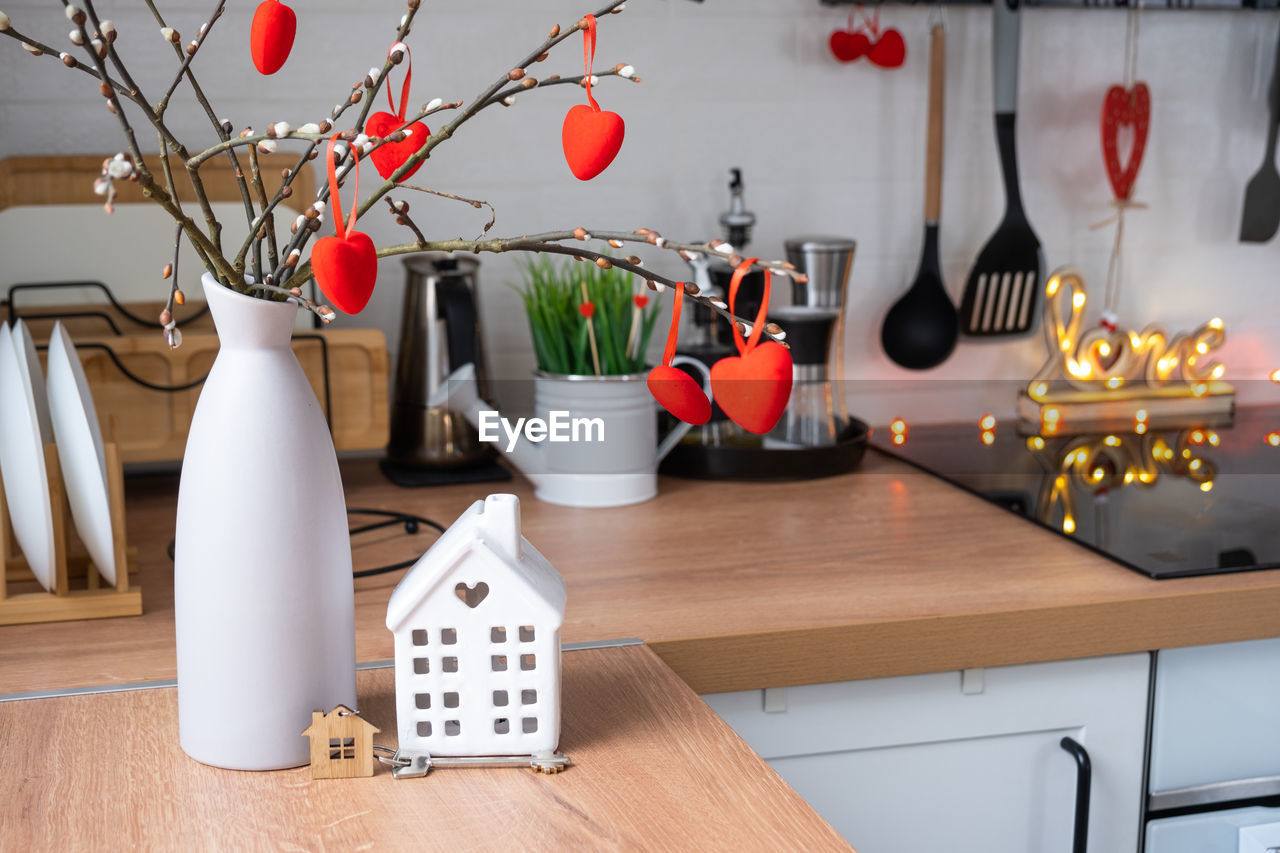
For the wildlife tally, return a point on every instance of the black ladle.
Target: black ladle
(921, 328)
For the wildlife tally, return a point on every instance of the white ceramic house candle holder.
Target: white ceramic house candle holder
(477, 638)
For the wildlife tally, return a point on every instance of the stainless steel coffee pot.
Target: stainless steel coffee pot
(439, 332)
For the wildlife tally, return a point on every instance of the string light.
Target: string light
(899, 429)
(1273, 439)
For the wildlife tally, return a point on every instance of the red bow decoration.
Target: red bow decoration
(753, 388)
(678, 392)
(390, 156)
(271, 35)
(1119, 109)
(591, 137)
(345, 265)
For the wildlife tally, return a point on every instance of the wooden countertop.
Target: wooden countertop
(886, 571)
(653, 768)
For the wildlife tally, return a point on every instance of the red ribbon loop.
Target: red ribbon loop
(670, 352)
(758, 326)
(335, 198)
(589, 56)
(404, 88)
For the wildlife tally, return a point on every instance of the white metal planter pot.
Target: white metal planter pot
(477, 645)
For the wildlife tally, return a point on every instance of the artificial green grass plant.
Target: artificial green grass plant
(553, 300)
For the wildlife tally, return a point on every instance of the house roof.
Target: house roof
(490, 531)
(338, 711)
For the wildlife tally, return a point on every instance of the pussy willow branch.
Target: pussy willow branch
(552, 243)
(474, 202)
(557, 35)
(66, 58)
(553, 80)
(191, 52)
(215, 227)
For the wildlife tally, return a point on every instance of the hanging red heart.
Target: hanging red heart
(753, 388)
(390, 156)
(678, 392)
(1122, 108)
(345, 265)
(271, 35)
(847, 46)
(591, 137)
(889, 51)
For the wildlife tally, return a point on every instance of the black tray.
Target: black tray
(701, 462)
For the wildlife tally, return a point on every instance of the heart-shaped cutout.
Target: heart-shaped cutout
(889, 51)
(472, 595)
(847, 46)
(271, 35)
(591, 139)
(1121, 109)
(753, 389)
(346, 268)
(391, 155)
(680, 394)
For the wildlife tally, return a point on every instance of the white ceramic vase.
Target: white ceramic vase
(263, 591)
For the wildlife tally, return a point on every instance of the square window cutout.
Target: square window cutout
(419, 637)
(529, 724)
(420, 666)
(451, 700)
(501, 726)
(497, 635)
(527, 662)
(528, 697)
(423, 701)
(500, 698)
(424, 728)
(452, 728)
(448, 636)
(498, 663)
(449, 664)
(526, 633)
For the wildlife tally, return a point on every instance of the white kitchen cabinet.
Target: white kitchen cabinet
(963, 762)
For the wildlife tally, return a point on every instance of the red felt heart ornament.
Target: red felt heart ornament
(591, 137)
(271, 35)
(847, 46)
(674, 389)
(889, 51)
(753, 388)
(680, 394)
(389, 156)
(1122, 108)
(346, 264)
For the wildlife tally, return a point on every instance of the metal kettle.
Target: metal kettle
(439, 332)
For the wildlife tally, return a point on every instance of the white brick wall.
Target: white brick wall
(825, 147)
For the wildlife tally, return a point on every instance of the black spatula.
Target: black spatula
(1002, 295)
(1261, 216)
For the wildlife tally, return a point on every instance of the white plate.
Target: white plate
(29, 362)
(84, 464)
(26, 482)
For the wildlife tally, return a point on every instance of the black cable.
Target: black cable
(411, 524)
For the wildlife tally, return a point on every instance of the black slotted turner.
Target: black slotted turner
(1002, 295)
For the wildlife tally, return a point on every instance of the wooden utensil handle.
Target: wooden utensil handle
(933, 154)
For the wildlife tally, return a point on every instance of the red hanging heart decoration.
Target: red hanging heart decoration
(390, 156)
(753, 388)
(271, 35)
(1122, 108)
(676, 391)
(345, 265)
(889, 51)
(847, 46)
(591, 137)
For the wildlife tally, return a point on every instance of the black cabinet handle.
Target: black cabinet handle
(1084, 776)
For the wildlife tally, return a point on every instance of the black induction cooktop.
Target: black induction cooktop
(1169, 503)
